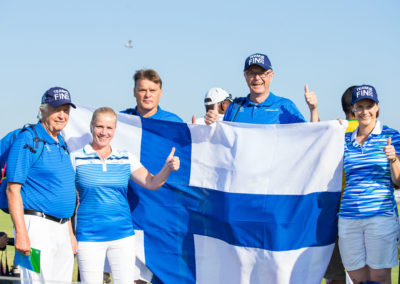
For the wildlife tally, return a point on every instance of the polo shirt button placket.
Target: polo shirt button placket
(255, 107)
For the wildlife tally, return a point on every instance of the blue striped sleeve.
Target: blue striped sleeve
(20, 158)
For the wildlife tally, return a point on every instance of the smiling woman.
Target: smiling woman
(102, 127)
(102, 176)
(368, 220)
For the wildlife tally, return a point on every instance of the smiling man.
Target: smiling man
(148, 92)
(262, 106)
(41, 193)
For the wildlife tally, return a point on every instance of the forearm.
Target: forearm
(74, 243)
(395, 171)
(145, 179)
(16, 207)
(314, 116)
(70, 229)
(155, 182)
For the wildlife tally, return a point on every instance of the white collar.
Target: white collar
(377, 130)
(89, 150)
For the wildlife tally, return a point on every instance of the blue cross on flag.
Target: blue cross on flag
(249, 204)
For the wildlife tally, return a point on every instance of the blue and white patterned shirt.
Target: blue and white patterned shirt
(369, 187)
(103, 212)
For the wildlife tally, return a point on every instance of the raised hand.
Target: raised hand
(389, 150)
(193, 119)
(211, 115)
(310, 97)
(173, 162)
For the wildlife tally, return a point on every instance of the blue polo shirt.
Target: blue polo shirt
(48, 184)
(103, 212)
(160, 114)
(274, 110)
(369, 189)
(5, 146)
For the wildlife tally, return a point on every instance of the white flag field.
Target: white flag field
(250, 203)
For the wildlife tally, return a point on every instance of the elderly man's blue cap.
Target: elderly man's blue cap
(258, 59)
(57, 96)
(364, 92)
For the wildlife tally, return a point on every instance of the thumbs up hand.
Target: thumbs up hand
(211, 115)
(389, 150)
(173, 162)
(311, 98)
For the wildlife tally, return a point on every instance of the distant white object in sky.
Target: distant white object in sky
(129, 44)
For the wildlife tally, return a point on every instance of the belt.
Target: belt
(48, 217)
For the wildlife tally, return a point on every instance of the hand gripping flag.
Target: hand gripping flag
(250, 203)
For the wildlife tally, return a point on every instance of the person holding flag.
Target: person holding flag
(368, 218)
(104, 224)
(262, 106)
(215, 98)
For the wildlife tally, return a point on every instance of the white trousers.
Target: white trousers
(121, 257)
(56, 256)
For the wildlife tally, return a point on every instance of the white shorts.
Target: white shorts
(120, 255)
(56, 256)
(369, 241)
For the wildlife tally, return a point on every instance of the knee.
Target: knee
(380, 275)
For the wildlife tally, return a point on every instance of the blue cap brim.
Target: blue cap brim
(60, 103)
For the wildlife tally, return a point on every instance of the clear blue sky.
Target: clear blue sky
(195, 45)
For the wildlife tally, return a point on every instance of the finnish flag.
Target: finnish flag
(249, 204)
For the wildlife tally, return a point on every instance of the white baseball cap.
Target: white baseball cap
(216, 95)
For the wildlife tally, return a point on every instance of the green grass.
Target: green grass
(6, 226)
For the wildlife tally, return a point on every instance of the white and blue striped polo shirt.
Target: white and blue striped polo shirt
(48, 183)
(369, 187)
(103, 212)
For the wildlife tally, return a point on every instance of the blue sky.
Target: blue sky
(195, 45)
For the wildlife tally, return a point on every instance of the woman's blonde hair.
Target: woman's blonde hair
(102, 110)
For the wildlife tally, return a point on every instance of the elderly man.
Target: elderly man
(41, 193)
(148, 91)
(262, 106)
(215, 98)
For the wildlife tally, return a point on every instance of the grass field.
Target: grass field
(6, 226)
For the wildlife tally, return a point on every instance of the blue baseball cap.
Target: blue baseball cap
(57, 96)
(258, 59)
(364, 92)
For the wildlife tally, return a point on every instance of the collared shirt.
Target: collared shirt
(160, 114)
(353, 124)
(369, 187)
(274, 110)
(48, 183)
(5, 147)
(103, 213)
